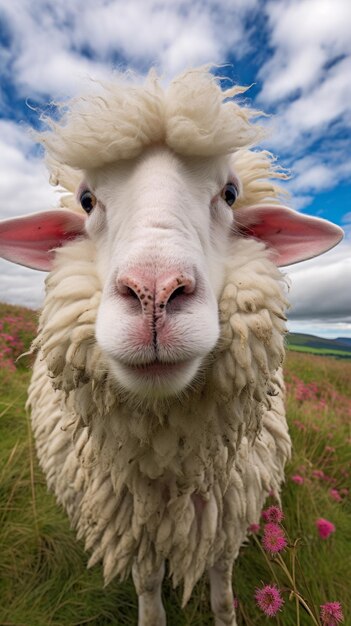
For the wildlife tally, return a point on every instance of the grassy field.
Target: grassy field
(43, 576)
(320, 351)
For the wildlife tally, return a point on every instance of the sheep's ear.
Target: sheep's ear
(291, 235)
(30, 240)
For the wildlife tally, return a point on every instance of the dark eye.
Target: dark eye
(88, 201)
(229, 193)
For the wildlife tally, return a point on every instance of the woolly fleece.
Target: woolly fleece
(132, 476)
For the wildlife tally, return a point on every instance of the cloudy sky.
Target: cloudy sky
(296, 52)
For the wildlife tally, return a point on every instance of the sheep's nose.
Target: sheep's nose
(153, 295)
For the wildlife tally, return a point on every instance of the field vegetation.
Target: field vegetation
(43, 575)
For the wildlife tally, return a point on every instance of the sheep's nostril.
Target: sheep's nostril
(174, 292)
(129, 292)
(177, 292)
(132, 292)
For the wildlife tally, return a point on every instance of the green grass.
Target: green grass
(320, 351)
(43, 575)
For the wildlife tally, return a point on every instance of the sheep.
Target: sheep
(157, 394)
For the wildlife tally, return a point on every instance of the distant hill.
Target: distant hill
(344, 340)
(340, 347)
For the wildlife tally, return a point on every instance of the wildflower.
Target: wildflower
(299, 425)
(254, 528)
(235, 603)
(273, 539)
(335, 495)
(318, 474)
(273, 514)
(299, 480)
(331, 614)
(324, 527)
(269, 600)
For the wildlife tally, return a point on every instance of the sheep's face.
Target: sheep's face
(161, 224)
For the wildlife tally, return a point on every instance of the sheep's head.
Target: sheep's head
(161, 224)
(164, 192)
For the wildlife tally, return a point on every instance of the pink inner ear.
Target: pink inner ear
(291, 235)
(30, 240)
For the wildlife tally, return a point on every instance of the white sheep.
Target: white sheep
(157, 396)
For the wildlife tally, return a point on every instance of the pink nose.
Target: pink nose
(153, 294)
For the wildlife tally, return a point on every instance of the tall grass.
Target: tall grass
(43, 575)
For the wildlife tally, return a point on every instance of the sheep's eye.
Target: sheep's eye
(229, 193)
(88, 201)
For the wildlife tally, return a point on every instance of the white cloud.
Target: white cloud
(24, 186)
(306, 36)
(305, 81)
(56, 43)
(329, 330)
(317, 172)
(320, 286)
(311, 175)
(299, 202)
(20, 285)
(309, 117)
(325, 102)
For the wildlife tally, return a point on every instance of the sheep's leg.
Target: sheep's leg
(222, 600)
(151, 611)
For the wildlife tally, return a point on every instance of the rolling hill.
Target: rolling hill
(300, 342)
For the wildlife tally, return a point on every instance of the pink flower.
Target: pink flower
(273, 514)
(299, 425)
(318, 474)
(331, 613)
(235, 603)
(254, 528)
(324, 527)
(269, 600)
(299, 480)
(335, 495)
(273, 539)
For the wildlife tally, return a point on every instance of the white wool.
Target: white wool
(131, 475)
(255, 170)
(193, 116)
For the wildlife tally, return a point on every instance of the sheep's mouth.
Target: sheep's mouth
(155, 378)
(157, 367)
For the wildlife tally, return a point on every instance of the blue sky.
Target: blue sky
(295, 53)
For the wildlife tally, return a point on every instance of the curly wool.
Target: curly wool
(192, 116)
(134, 478)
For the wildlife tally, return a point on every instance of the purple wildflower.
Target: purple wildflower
(331, 614)
(269, 600)
(273, 539)
(324, 527)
